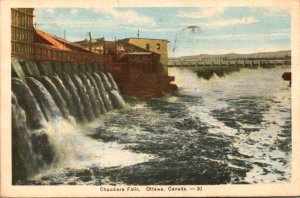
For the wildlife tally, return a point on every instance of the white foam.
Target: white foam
(262, 83)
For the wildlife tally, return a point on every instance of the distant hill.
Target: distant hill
(277, 54)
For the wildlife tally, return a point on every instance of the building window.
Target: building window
(158, 46)
(147, 46)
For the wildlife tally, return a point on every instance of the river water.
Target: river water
(234, 129)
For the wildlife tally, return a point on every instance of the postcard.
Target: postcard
(150, 99)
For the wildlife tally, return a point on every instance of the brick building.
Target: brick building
(158, 46)
(139, 66)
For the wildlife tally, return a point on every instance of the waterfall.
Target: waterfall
(84, 98)
(27, 101)
(112, 90)
(103, 92)
(28, 127)
(65, 94)
(97, 92)
(56, 95)
(117, 99)
(42, 105)
(44, 98)
(105, 81)
(91, 94)
(75, 98)
(112, 81)
(22, 157)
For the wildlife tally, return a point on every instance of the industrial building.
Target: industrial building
(139, 68)
(22, 32)
(158, 46)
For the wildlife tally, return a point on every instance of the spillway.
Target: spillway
(42, 104)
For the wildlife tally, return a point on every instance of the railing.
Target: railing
(44, 53)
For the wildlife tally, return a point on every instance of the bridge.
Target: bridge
(238, 63)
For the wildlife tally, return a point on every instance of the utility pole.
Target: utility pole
(64, 37)
(90, 42)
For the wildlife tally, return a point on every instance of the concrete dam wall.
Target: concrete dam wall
(46, 98)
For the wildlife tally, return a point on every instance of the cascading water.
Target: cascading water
(84, 98)
(112, 81)
(56, 95)
(65, 94)
(44, 98)
(24, 159)
(75, 97)
(117, 99)
(91, 93)
(105, 81)
(97, 93)
(34, 131)
(216, 131)
(34, 115)
(112, 86)
(42, 110)
(103, 92)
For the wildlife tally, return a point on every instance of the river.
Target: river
(227, 130)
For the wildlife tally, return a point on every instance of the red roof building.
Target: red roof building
(55, 42)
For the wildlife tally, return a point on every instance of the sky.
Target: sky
(189, 30)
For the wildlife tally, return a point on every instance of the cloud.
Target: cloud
(202, 13)
(224, 23)
(61, 20)
(50, 10)
(231, 22)
(74, 11)
(128, 16)
(156, 29)
(274, 11)
(75, 24)
(248, 36)
(114, 17)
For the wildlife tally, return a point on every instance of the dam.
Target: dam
(40, 101)
(55, 81)
(105, 118)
